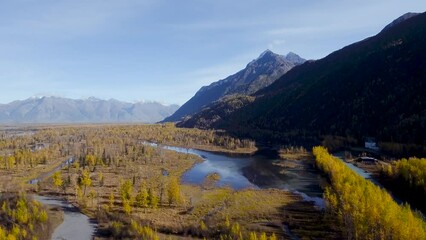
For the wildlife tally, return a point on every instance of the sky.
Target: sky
(157, 50)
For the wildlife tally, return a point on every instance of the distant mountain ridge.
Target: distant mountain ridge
(374, 87)
(91, 110)
(258, 74)
(400, 19)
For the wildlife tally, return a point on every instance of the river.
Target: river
(366, 175)
(76, 225)
(255, 171)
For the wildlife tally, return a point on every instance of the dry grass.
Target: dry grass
(218, 149)
(281, 212)
(295, 156)
(255, 210)
(294, 153)
(12, 180)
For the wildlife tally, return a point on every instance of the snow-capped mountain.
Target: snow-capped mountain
(91, 110)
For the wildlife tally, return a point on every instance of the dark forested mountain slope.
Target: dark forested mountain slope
(258, 74)
(375, 87)
(215, 112)
(400, 19)
(92, 110)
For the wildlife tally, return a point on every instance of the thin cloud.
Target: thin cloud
(167, 50)
(71, 19)
(219, 25)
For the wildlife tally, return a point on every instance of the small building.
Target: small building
(367, 160)
(370, 143)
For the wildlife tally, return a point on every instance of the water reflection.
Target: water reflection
(258, 171)
(229, 169)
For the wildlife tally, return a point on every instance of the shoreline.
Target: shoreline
(216, 149)
(56, 218)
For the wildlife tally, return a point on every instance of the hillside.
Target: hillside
(371, 88)
(258, 74)
(214, 113)
(91, 110)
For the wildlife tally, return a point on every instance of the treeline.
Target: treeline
(169, 134)
(411, 171)
(27, 158)
(106, 142)
(22, 218)
(407, 177)
(24, 151)
(365, 211)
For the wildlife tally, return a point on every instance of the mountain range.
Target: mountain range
(375, 87)
(258, 74)
(91, 110)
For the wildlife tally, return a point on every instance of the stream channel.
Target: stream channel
(236, 171)
(76, 225)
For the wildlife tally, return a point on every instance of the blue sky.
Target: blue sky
(134, 50)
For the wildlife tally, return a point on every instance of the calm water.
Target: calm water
(258, 171)
(75, 225)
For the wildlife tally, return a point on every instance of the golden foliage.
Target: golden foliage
(365, 211)
(142, 197)
(18, 217)
(173, 191)
(85, 180)
(413, 171)
(144, 232)
(57, 179)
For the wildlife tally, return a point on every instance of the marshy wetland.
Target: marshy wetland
(162, 182)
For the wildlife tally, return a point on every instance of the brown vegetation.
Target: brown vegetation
(131, 188)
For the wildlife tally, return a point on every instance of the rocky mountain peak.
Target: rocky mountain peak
(266, 53)
(258, 74)
(294, 58)
(266, 56)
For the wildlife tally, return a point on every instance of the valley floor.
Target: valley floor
(132, 190)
